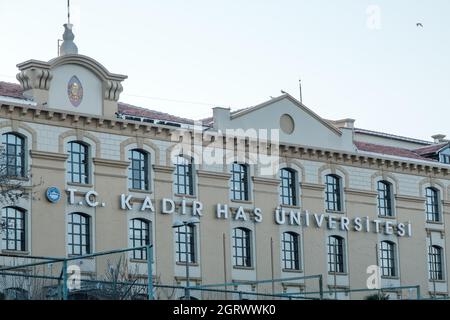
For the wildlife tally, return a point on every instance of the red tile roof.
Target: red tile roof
(15, 91)
(12, 90)
(431, 149)
(134, 111)
(391, 151)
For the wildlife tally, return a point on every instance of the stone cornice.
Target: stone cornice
(213, 174)
(48, 155)
(266, 181)
(127, 127)
(409, 198)
(62, 118)
(312, 186)
(163, 169)
(358, 192)
(111, 163)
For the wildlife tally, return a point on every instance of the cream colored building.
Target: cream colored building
(346, 199)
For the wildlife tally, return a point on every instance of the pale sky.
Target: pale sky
(185, 57)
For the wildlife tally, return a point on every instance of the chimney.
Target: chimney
(221, 117)
(439, 138)
(345, 123)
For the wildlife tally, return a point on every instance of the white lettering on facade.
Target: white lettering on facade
(240, 214)
(221, 211)
(147, 205)
(90, 197)
(168, 206)
(197, 208)
(125, 202)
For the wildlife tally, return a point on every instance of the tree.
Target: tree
(12, 189)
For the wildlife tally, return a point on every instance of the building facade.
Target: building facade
(279, 191)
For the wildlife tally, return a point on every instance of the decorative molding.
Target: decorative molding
(213, 174)
(163, 169)
(48, 155)
(312, 186)
(266, 181)
(409, 198)
(404, 166)
(111, 163)
(358, 192)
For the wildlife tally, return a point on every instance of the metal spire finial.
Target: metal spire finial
(68, 11)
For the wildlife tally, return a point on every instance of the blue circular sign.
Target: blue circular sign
(53, 194)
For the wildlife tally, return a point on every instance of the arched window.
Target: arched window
(288, 187)
(79, 239)
(185, 241)
(184, 176)
(435, 263)
(138, 170)
(336, 254)
(239, 181)
(139, 232)
(13, 235)
(242, 252)
(14, 154)
(385, 199)
(78, 163)
(387, 259)
(333, 192)
(432, 204)
(291, 251)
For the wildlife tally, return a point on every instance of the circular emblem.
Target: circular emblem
(75, 91)
(53, 194)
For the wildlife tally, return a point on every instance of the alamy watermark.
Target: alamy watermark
(373, 21)
(251, 146)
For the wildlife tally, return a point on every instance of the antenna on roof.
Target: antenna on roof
(300, 86)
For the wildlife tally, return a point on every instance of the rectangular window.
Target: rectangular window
(139, 236)
(79, 241)
(333, 193)
(435, 263)
(239, 182)
(384, 199)
(445, 158)
(78, 163)
(184, 176)
(336, 254)
(138, 170)
(185, 241)
(291, 253)
(432, 205)
(14, 155)
(242, 247)
(387, 259)
(13, 221)
(288, 188)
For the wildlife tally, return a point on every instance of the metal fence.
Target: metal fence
(116, 275)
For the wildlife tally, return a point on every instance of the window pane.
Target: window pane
(138, 170)
(77, 164)
(242, 247)
(78, 237)
(14, 155)
(13, 235)
(239, 181)
(183, 175)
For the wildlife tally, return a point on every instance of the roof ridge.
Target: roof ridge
(395, 136)
(389, 150)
